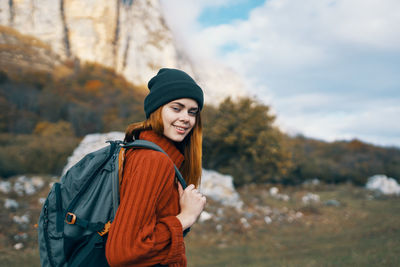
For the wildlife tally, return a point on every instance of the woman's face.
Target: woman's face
(179, 117)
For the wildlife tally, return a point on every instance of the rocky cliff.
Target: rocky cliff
(20, 52)
(129, 36)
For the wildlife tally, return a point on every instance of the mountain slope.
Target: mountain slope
(128, 36)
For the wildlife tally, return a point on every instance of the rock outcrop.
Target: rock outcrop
(129, 36)
(21, 52)
(383, 185)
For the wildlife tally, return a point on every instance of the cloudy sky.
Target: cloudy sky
(329, 69)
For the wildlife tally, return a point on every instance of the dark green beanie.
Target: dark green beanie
(168, 85)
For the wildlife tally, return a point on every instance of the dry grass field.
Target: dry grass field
(358, 228)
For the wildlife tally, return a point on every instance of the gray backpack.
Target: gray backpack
(78, 211)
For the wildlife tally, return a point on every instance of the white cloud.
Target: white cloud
(292, 34)
(182, 16)
(373, 121)
(326, 66)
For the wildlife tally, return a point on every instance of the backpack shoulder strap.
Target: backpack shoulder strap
(150, 145)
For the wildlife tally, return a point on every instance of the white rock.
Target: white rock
(244, 222)
(220, 188)
(283, 197)
(19, 187)
(28, 186)
(5, 187)
(310, 198)
(24, 219)
(42, 200)
(37, 182)
(11, 204)
(383, 184)
(273, 191)
(91, 143)
(18, 246)
(205, 216)
(267, 220)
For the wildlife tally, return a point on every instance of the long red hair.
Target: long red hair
(191, 146)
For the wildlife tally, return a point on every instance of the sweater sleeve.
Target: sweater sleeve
(139, 236)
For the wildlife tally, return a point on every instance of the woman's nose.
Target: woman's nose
(184, 116)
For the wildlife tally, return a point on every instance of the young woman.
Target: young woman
(154, 210)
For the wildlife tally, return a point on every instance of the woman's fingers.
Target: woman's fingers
(191, 195)
(180, 189)
(190, 187)
(192, 203)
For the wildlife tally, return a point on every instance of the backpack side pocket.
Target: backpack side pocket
(50, 232)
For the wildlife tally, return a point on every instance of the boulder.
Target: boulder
(25, 185)
(5, 187)
(383, 184)
(220, 188)
(310, 198)
(91, 143)
(11, 204)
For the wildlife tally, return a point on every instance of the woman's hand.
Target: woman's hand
(192, 204)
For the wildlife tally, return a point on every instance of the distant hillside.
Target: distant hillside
(130, 37)
(90, 99)
(47, 105)
(342, 161)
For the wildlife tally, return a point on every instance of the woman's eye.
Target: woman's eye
(176, 108)
(193, 113)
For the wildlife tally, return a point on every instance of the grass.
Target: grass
(362, 231)
(14, 258)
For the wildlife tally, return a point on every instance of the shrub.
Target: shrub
(240, 140)
(34, 154)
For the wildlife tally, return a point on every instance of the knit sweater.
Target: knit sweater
(146, 230)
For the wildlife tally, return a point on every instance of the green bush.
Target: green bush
(240, 140)
(344, 161)
(35, 154)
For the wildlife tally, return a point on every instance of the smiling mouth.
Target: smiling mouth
(180, 129)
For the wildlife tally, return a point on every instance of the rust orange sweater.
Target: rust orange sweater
(146, 231)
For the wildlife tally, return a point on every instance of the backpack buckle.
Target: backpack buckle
(105, 229)
(70, 218)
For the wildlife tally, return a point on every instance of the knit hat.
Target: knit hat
(168, 85)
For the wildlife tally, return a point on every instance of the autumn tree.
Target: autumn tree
(240, 139)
